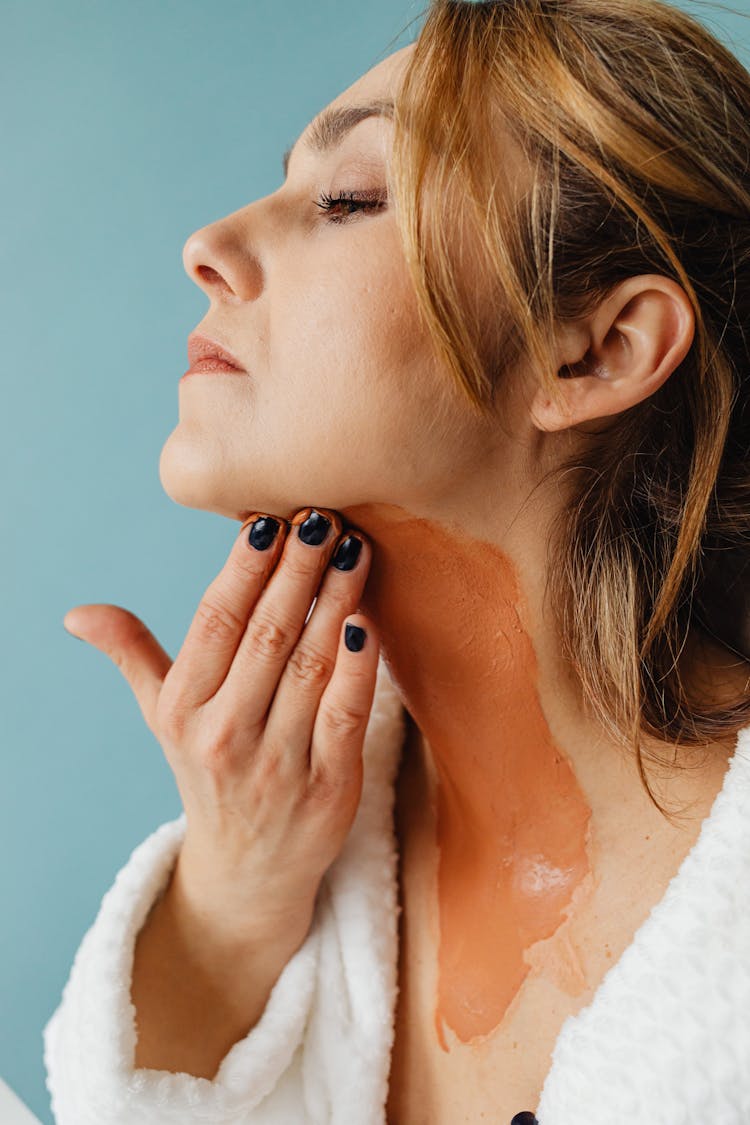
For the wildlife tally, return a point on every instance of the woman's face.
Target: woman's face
(342, 404)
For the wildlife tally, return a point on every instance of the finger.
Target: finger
(341, 722)
(310, 665)
(130, 645)
(222, 614)
(279, 615)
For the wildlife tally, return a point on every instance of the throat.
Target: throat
(511, 819)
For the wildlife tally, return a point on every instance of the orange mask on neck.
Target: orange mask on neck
(512, 820)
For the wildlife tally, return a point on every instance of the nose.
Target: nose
(222, 261)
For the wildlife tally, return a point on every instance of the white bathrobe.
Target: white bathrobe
(665, 1040)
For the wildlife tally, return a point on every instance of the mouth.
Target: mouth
(205, 354)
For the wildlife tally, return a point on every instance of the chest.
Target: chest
(491, 1079)
(488, 1079)
(499, 1075)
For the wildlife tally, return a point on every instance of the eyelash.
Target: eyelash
(363, 200)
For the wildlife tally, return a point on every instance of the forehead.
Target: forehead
(380, 83)
(382, 80)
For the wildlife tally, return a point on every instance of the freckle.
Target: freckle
(648, 837)
(514, 1046)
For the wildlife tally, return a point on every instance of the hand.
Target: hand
(261, 718)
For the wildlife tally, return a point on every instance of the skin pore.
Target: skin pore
(529, 818)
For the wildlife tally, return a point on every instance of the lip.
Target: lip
(206, 355)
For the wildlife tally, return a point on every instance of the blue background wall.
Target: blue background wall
(112, 116)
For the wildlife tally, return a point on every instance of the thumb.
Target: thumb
(129, 644)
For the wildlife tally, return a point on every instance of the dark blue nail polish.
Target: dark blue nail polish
(347, 553)
(354, 638)
(315, 528)
(525, 1117)
(263, 532)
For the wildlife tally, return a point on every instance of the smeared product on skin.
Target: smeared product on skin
(451, 618)
(557, 957)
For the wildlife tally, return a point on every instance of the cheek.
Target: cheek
(351, 378)
(348, 301)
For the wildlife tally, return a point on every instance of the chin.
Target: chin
(188, 480)
(201, 483)
(194, 474)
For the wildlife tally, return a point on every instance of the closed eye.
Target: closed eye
(359, 201)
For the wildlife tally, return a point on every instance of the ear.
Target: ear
(620, 354)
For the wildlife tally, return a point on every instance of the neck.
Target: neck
(519, 765)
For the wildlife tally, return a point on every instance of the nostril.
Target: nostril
(208, 274)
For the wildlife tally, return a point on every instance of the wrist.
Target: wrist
(239, 921)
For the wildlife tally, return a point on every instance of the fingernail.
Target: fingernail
(314, 529)
(347, 553)
(263, 532)
(354, 638)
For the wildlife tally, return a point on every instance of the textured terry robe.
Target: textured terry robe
(665, 1039)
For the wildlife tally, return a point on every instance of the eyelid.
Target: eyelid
(369, 201)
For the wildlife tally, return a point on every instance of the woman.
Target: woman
(490, 329)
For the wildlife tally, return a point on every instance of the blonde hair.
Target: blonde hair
(634, 123)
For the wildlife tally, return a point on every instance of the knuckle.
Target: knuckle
(249, 563)
(301, 567)
(331, 788)
(337, 595)
(343, 721)
(269, 770)
(269, 638)
(217, 621)
(323, 786)
(120, 660)
(311, 667)
(219, 751)
(171, 716)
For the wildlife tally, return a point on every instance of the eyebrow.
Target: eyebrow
(332, 125)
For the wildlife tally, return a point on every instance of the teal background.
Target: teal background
(125, 126)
